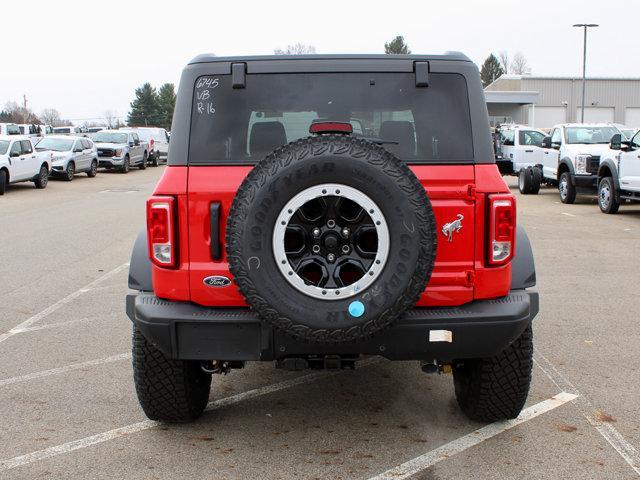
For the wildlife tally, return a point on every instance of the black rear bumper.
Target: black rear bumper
(183, 330)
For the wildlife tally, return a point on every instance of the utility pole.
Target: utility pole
(584, 63)
(24, 108)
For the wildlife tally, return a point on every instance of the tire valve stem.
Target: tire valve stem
(345, 232)
(331, 258)
(316, 232)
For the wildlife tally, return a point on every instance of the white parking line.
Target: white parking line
(586, 408)
(48, 326)
(568, 214)
(52, 308)
(461, 444)
(67, 368)
(147, 424)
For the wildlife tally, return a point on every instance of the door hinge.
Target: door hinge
(470, 278)
(471, 192)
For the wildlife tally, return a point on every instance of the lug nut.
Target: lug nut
(316, 249)
(345, 249)
(315, 232)
(331, 223)
(331, 257)
(346, 232)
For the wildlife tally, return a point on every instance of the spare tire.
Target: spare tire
(331, 238)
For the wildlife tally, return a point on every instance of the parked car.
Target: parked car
(9, 129)
(295, 241)
(571, 158)
(156, 138)
(91, 130)
(20, 162)
(619, 174)
(70, 155)
(120, 150)
(66, 130)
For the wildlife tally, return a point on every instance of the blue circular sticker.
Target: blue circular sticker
(356, 309)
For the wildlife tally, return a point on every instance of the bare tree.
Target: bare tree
(50, 116)
(504, 61)
(519, 65)
(110, 117)
(296, 49)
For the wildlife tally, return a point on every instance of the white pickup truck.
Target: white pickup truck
(20, 162)
(521, 149)
(619, 173)
(571, 158)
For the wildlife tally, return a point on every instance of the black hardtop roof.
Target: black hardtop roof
(211, 58)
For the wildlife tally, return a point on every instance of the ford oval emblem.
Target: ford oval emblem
(217, 281)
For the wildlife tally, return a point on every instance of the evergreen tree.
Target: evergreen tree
(144, 108)
(166, 105)
(397, 46)
(491, 70)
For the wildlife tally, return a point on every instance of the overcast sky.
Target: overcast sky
(86, 57)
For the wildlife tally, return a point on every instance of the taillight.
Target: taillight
(151, 142)
(502, 228)
(160, 231)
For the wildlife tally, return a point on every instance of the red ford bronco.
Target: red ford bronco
(318, 209)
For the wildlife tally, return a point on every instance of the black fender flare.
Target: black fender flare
(611, 165)
(140, 265)
(523, 268)
(567, 161)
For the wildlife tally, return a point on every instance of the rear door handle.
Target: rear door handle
(214, 230)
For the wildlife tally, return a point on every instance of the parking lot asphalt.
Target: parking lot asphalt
(68, 407)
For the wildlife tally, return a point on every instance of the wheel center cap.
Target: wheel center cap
(331, 241)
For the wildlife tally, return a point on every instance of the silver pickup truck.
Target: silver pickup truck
(120, 150)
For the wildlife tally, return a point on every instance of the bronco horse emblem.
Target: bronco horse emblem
(455, 226)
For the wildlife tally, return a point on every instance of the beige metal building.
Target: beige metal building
(546, 101)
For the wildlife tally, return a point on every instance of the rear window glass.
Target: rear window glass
(243, 125)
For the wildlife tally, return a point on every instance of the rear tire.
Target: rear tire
(525, 178)
(42, 179)
(3, 182)
(537, 180)
(566, 188)
(168, 390)
(156, 161)
(608, 197)
(70, 171)
(496, 388)
(93, 171)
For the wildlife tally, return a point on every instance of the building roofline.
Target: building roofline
(558, 77)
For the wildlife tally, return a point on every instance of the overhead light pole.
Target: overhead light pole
(585, 26)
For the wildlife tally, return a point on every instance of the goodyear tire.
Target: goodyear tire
(331, 238)
(168, 390)
(496, 388)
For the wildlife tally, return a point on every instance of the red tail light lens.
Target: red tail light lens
(502, 229)
(160, 228)
(151, 142)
